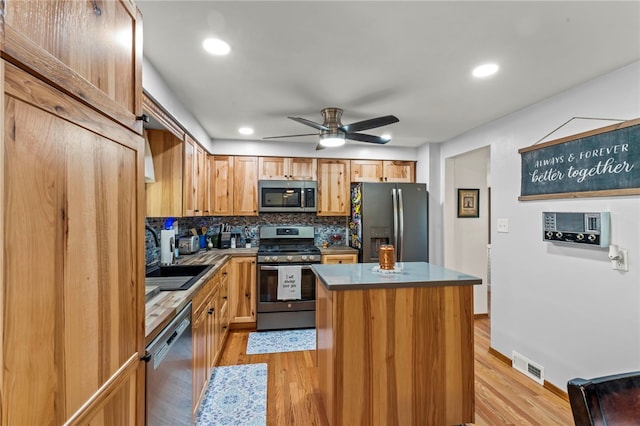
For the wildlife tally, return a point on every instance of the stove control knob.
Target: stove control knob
(274, 258)
(312, 257)
(289, 258)
(303, 257)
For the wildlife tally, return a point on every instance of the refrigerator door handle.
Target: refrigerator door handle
(401, 220)
(395, 217)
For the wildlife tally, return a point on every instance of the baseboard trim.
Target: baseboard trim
(505, 359)
(547, 385)
(556, 390)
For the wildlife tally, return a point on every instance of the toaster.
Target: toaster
(188, 245)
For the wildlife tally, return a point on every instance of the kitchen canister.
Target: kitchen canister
(387, 256)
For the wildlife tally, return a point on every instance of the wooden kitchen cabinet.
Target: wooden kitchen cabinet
(366, 170)
(221, 184)
(74, 305)
(382, 171)
(245, 186)
(333, 187)
(233, 185)
(194, 195)
(287, 168)
(222, 306)
(181, 186)
(199, 342)
(164, 196)
(340, 258)
(399, 171)
(242, 289)
(210, 325)
(72, 180)
(189, 179)
(84, 59)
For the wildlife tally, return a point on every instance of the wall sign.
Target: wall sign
(600, 162)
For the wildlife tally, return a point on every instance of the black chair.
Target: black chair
(606, 401)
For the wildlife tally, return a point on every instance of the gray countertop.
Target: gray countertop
(360, 276)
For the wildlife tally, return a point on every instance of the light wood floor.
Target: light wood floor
(503, 396)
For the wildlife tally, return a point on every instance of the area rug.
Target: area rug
(266, 342)
(236, 395)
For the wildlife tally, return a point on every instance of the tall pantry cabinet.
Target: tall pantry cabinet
(72, 208)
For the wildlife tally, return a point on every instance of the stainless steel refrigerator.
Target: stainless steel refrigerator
(390, 213)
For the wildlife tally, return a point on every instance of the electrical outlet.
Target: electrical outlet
(621, 264)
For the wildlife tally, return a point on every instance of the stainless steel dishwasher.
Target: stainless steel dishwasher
(169, 374)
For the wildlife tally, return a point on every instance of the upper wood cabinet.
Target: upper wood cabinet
(164, 196)
(399, 171)
(333, 187)
(189, 179)
(182, 172)
(382, 171)
(281, 168)
(221, 184)
(74, 44)
(245, 186)
(366, 170)
(194, 195)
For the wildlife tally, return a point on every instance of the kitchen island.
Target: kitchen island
(395, 348)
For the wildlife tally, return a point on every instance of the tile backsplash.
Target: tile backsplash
(332, 229)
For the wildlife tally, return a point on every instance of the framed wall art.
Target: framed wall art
(468, 202)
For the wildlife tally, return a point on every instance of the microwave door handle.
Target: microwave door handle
(401, 220)
(395, 217)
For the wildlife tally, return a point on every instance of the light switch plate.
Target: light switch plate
(503, 225)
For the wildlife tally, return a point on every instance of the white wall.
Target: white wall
(562, 307)
(466, 239)
(157, 89)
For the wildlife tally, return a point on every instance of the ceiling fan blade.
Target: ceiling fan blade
(366, 138)
(372, 123)
(309, 123)
(290, 136)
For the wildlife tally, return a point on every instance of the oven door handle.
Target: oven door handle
(275, 268)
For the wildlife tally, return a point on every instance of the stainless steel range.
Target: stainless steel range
(286, 285)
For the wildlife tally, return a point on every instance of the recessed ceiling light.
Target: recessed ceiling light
(216, 46)
(485, 70)
(245, 130)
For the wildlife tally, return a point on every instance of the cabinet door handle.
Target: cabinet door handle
(211, 311)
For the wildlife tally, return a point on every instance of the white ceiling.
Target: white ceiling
(411, 59)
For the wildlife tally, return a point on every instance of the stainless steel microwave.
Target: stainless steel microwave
(290, 196)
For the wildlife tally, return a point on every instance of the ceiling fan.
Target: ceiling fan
(333, 132)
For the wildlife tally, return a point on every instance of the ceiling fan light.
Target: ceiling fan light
(331, 141)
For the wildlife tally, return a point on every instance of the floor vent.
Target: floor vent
(528, 368)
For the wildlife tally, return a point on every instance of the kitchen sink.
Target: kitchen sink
(175, 277)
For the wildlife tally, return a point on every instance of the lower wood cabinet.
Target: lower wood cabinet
(340, 258)
(242, 289)
(210, 323)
